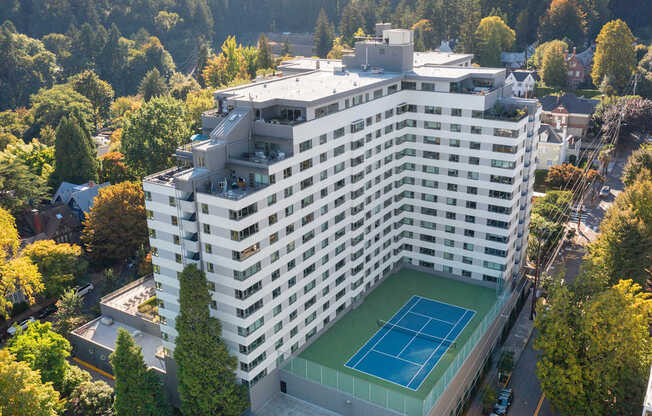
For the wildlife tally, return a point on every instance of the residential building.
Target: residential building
(568, 111)
(523, 82)
(313, 187)
(556, 147)
(579, 67)
(58, 223)
(78, 197)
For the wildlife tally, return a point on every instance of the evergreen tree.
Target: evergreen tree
(98, 92)
(563, 20)
(206, 372)
(323, 35)
(138, 390)
(152, 85)
(75, 160)
(286, 50)
(470, 10)
(264, 53)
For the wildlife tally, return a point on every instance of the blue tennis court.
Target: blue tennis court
(408, 346)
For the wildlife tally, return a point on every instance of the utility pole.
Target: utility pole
(536, 283)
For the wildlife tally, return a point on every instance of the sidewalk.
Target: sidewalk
(516, 342)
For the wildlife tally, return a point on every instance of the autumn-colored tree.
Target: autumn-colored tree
(9, 239)
(122, 107)
(22, 392)
(638, 162)
(196, 103)
(563, 19)
(568, 175)
(614, 57)
(59, 264)
(553, 65)
(338, 49)
(116, 225)
(493, 36)
(594, 343)
(214, 74)
(539, 52)
(113, 168)
(18, 273)
(623, 248)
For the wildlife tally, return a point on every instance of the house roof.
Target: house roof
(572, 103)
(47, 224)
(82, 195)
(521, 75)
(586, 57)
(551, 134)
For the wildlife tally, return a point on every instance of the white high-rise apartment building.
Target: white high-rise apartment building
(311, 188)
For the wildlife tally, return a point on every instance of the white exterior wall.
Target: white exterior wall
(386, 228)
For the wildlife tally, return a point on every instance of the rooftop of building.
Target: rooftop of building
(129, 297)
(572, 103)
(81, 195)
(340, 342)
(104, 331)
(521, 75)
(316, 85)
(440, 58)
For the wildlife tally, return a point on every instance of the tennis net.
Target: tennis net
(414, 333)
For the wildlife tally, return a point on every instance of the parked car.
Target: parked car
(500, 410)
(508, 393)
(84, 290)
(23, 324)
(503, 401)
(47, 311)
(605, 191)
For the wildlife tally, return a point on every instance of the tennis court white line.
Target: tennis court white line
(381, 338)
(430, 317)
(437, 349)
(398, 358)
(413, 337)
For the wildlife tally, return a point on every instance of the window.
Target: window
(432, 110)
(456, 112)
(306, 164)
(307, 145)
(338, 133)
(432, 125)
(173, 202)
(150, 214)
(503, 164)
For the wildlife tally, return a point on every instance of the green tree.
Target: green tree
(605, 156)
(99, 93)
(323, 36)
(493, 36)
(116, 226)
(152, 134)
(553, 66)
(73, 378)
(640, 160)
(264, 52)
(91, 398)
(153, 85)
(181, 85)
(350, 21)
(286, 49)
(59, 264)
(74, 153)
(138, 390)
(594, 344)
(22, 392)
(51, 105)
(563, 19)
(470, 19)
(68, 315)
(206, 372)
(25, 67)
(20, 188)
(44, 350)
(623, 248)
(614, 57)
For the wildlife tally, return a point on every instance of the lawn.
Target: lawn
(340, 342)
(593, 94)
